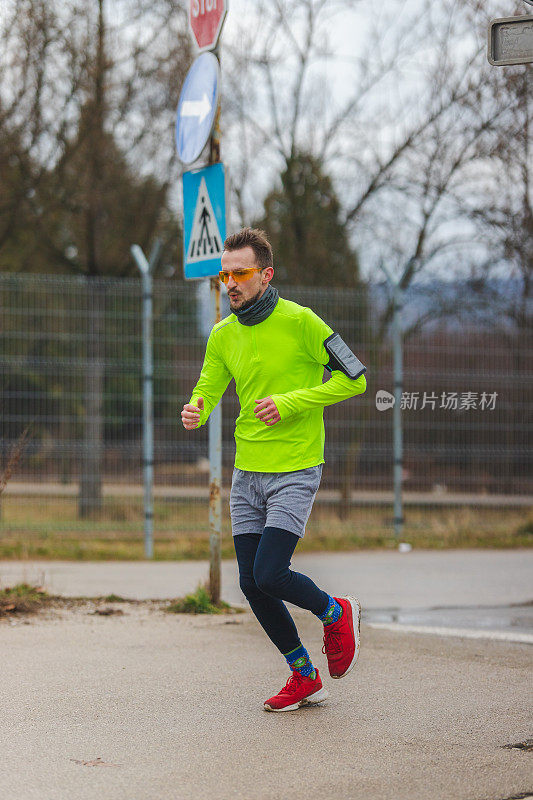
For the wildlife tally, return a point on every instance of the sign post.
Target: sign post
(215, 419)
(204, 216)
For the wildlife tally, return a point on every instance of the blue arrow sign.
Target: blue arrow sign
(204, 220)
(197, 107)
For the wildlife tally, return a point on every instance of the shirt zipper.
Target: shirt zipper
(254, 343)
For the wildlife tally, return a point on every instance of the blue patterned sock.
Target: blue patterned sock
(332, 613)
(298, 659)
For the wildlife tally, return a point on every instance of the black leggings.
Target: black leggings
(266, 580)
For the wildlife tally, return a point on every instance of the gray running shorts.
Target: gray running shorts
(278, 499)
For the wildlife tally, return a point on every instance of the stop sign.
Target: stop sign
(206, 18)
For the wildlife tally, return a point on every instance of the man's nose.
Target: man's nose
(231, 282)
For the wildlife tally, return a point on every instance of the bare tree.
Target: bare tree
(87, 100)
(404, 140)
(92, 85)
(502, 205)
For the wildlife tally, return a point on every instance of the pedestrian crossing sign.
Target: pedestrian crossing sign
(204, 220)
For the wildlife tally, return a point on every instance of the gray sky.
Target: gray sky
(386, 112)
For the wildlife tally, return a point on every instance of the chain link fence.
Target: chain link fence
(71, 367)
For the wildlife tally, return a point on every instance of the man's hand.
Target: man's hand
(190, 416)
(266, 411)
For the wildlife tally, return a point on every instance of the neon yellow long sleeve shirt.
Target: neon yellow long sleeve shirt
(283, 357)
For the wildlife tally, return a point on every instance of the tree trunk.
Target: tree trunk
(350, 459)
(90, 495)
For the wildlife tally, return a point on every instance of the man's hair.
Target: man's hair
(257, 240)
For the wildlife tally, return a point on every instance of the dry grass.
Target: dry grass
(199, 602)
(48, 528)
(23, 599)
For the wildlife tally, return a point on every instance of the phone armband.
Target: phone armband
(342, 358)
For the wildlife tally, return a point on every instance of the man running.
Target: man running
(277, 350)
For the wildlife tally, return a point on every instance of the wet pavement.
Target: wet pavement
(512, 623)
(518, 618)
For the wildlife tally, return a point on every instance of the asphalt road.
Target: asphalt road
(151, 706)
(420, 578)
(476, 592)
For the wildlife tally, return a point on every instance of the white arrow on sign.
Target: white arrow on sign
(196, 108)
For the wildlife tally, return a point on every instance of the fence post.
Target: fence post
(145, 269)
(397, 416)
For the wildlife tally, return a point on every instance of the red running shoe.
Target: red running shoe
(298, 691)
(342, 638)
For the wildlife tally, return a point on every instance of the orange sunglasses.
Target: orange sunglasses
(238, 275)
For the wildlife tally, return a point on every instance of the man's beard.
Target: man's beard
(250, 302)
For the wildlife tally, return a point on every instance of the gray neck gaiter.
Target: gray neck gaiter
(261, 309)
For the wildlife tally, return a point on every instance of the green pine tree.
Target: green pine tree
(303, 221)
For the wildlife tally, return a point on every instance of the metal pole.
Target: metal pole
(215, 468)
(397, 418)
(397, 346)
(148, 413)
(215, 423)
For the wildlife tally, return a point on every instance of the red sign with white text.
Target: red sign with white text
(206, 18)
